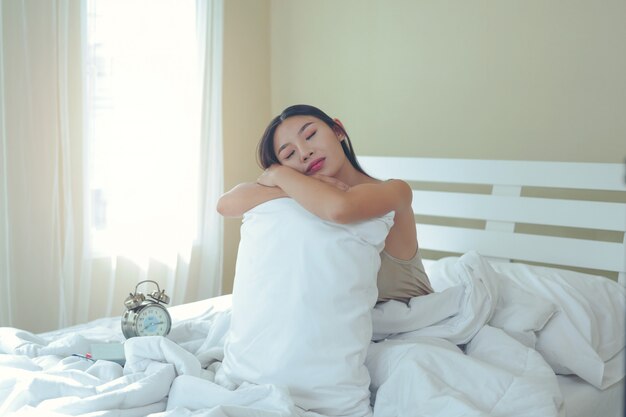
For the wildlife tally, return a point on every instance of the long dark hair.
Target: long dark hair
(265, 149)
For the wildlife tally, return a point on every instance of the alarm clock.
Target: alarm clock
(146, 316)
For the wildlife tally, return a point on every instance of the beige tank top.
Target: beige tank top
(402, 280)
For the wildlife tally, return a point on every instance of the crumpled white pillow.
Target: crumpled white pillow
(519, 313)
(303, 294)
(587, 336)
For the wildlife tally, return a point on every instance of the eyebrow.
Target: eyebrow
(304, 126)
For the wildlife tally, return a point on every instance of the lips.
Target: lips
(315, 166)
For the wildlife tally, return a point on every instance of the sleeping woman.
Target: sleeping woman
(308, 156)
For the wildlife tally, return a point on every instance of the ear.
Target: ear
(339, 130)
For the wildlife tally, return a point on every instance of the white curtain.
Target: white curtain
(210, 34)
(6, 315)
(49, 275)
(41, 184)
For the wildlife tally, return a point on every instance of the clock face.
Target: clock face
(153, 320)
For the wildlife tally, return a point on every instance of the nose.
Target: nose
(306, 154)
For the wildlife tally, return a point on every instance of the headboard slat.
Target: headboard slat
(581, 214)
(578, 175)
(563, 251)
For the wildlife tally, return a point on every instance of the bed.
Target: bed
(567, 216)
(529, 258)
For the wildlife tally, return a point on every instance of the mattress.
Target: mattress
(583, 400)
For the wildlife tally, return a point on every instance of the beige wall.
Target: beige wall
(535, 79)
(246, 103)
(528, 79)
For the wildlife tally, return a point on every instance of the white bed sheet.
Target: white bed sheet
(178, 313)
(582, 399)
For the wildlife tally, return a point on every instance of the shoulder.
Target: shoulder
(401, 189)
(396, 193)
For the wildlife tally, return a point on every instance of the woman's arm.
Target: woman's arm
(246, 196)
(361, 202)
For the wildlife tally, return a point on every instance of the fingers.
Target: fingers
(265, 179)
(332, 181)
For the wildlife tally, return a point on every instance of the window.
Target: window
(143, 112)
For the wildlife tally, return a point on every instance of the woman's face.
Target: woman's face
(308, 145)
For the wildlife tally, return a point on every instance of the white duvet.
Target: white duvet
(417, 370)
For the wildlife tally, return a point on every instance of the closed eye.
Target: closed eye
(311, 135)
(290, 153)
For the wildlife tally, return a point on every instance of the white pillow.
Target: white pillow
(519, 313)
(587, 336)
(303, 294)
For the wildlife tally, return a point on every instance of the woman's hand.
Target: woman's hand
(332, 181)
(268, 177)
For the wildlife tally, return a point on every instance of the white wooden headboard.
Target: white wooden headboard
(508, 207)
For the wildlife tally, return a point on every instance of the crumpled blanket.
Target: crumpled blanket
(415, 363)
(162, 376)
(417, 366)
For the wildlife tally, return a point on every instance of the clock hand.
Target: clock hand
(153, 324)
